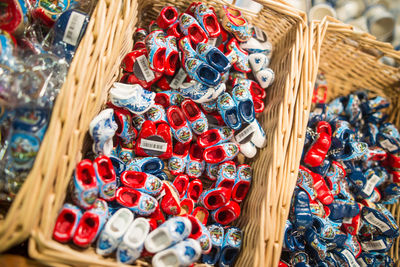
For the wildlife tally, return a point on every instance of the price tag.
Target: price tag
(245, 133)
(259, 34)
(388, 146)
(178, 79)
(350, 258)
(373, 245)
(212, 41)
(73, 29)
(378, 223)
(347, 220)
(361, 262)
(371, 183)
(145, 68)
(154, 145)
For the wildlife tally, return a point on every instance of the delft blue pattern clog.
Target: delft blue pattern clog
(337, 105)
(323, 168)
(353, 245)
(229, 111)
(114, 230)
(302, 211)
(352, 151)
(230, 247)
(345, 257)
(213, 56)
(196, 91)
(389, 138)
(259, 138)
(253, 46)
(202, 72)
(150, 165)
(258, 62)
(374, 259)
(169, 233)
(382, 219)
(132, 97)
(318, 248)
(377, 117)
(343, 208)
(217, 234)
(324, 228)
(183, 253)
(370, 132)
(102, 129)
(375, 104)
(132, 243)
(353, 109)
(119, 165)
(288, 239)
(161, 175)
(244, 103)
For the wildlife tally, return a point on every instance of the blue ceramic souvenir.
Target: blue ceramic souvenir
(229, 111)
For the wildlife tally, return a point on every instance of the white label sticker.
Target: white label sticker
(178, 79)
(373, 245)
(318, 111)
(144, 66)
(259, 34)
(387, 145)
(244, 133)
(161, 195)
(361, 262)
(371, 183)
(212, 41)
(378, 223)
(347, 220)
(153, 145)
(350, 258)
(73, 28)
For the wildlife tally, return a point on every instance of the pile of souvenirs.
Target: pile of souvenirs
(166, 181)
(349, 172)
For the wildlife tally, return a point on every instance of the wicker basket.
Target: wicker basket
(265, 210)
(61, 143)
(350, 61)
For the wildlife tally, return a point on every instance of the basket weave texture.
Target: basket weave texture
(89, 72)
(107, 40)
(350, 61)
